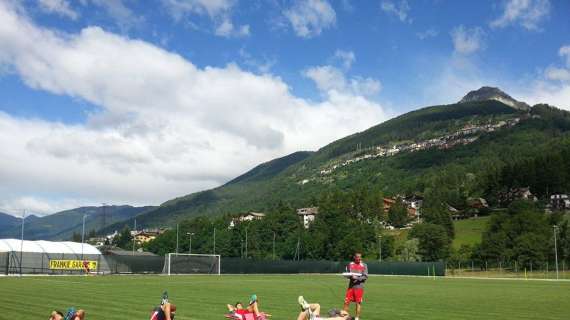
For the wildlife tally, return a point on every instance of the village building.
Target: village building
(308, 215)
(250, 216)
(506, 197)
(559, 202)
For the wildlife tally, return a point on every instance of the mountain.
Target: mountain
(8, 221)
(449, 151)
(62, 225)
(492, 93)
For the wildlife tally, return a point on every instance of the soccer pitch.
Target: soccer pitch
(205, 297)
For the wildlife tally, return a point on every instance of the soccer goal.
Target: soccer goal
(190, 263)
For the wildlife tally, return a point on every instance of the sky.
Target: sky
(138, 102)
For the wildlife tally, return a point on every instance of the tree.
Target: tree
(76, 237)
(398, 214)
(433, 241)
(408, 252)
(124, 239)
(440, 215)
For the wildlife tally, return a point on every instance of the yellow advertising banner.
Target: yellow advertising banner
(72, 264)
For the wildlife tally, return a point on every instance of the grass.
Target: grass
(204, 297)
(469, 231)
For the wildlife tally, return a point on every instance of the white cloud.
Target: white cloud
(310, 17)
(219, 12)
(429, 33)
(400, 10)
(166, 127)
(528, 13)
(564, 52)
(557, 74)
(346, 57)
(60, 7)
(467, 40)
(124, 17)
(329, 79)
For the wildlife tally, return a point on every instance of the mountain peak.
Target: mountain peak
(492, 93)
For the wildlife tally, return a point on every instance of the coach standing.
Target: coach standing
(355, 289)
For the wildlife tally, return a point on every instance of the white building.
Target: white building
(308, 215)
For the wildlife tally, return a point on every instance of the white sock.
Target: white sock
(356, 318)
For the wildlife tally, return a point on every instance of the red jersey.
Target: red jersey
(362, 268)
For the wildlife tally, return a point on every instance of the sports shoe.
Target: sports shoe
(303, 303)
(252, 299)
(164, 299)
(70, 313)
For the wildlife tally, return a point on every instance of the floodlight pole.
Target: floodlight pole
(273, 245)
(177, 238)
(555, 227)
(190, 247)
(134, 235)
(22, 241)
(83, 235)
(246, 242)
(214, 240)
(380, 248)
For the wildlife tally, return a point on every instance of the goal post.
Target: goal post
(192, 263)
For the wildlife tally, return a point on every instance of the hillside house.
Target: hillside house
(308, 215)
(506, 197)
(560, 202)
(250, 216)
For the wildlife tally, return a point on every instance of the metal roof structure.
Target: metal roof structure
(42, 246)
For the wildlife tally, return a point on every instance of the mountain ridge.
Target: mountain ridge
(298, 182)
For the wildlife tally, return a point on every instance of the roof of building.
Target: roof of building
(42, 246)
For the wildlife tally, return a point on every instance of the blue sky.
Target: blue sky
(125, 101)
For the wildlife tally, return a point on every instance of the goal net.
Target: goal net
(186, 263)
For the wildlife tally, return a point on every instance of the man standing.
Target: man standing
(355, 291)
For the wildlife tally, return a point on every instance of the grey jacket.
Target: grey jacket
(357, 282)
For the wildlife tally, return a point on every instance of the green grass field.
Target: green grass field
(204, 297)
(469, 231)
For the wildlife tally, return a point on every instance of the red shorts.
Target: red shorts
(354, 295)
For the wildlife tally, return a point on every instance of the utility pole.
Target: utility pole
(177, 238)
(83, 235)
(246, 242)
(273, 245)
(380, 248)
(134, 235)
(22, 241)
(555, 250)
(190, 247)
(214, 240)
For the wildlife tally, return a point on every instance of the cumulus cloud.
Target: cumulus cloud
(429, 33)
(218, 10)
(328, 79)
(60, 7)
(564, 52)
(528, 13)
(399, 10)
(467, 40)
(310, 17)
(166, 127)
(123, 16)
(347, 58)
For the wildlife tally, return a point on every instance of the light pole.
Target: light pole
(22, 242)
(214, 240)
(246, 242)
(380, 248)
(177, 238)
(555, 227)
(83, 235)
(190, 247)
(273, 245)
(134, 236)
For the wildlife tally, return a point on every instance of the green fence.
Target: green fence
(245, 266)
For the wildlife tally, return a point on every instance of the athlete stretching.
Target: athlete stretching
(312, 311)
(355, 290)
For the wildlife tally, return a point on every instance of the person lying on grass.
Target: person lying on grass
(238, 312)
(312, 311)
(56, 315)
(166, 310)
